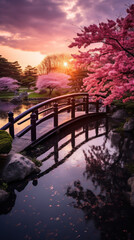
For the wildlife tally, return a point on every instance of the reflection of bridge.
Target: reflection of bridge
(79, 135)
(49, 116)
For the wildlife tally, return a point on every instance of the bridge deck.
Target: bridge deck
(19, 144)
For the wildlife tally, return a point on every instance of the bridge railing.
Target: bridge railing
(56, 106)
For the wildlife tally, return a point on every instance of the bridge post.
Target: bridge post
(73, 108)
(107, 109)
(36, 112)
(68, 103)
(11, 120)
(33, 126)
(73, 139)
(84, 102)
(86, 108)
(55, 114)
(97, 106)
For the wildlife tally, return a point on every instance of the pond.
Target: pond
(80, 192)
(7, 106)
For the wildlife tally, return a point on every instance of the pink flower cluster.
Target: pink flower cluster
(111, 65)
(52, 80)
(8, 84)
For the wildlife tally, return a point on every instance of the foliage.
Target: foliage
(37, 162)
(76, 79)
(29, 77)
(4, 186)
(6, 95)
(8, 84)
(112, 63)
(105, 204)
(5, 142)
(10, 69)
(54, 63)
(51, 81)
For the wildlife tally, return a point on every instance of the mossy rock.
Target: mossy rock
(5, 142)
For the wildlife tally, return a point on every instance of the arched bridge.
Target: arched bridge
(49, 116)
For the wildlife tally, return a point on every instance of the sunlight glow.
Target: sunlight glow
(65, 64)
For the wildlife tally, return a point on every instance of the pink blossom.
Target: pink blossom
(8, 84)
(51, 81)
(111, 66)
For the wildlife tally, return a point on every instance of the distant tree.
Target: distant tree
(8, 84)
(52, 81)
(16, 71)
(29, 77)
(76, 79)
(54, 63)
(9, 69)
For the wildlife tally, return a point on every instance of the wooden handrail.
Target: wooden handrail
(70, 106)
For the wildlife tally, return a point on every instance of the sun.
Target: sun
(65, 64)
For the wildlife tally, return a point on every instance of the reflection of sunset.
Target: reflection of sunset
(17, 110)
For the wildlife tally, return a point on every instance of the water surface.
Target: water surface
(80, 191)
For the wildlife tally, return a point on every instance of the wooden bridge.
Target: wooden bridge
(50, 116)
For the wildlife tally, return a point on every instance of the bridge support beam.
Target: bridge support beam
(11, 120)
(68, 103)
(86, 107)
(73, 108)
(84, 103)
(97, 106)
(33, 127)
(55, 114)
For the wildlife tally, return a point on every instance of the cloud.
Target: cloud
(49, 26)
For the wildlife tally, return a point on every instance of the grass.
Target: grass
(6, 95)
(32, 94)
(37, 95)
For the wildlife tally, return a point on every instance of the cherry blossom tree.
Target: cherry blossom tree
(51, 81)
(111, 63)
(8, 84)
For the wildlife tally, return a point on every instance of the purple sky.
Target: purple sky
(48, 26)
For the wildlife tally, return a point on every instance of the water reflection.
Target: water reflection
(62, 148)
(6, 106)
(7, 206)
(84, 198)
(109, 209)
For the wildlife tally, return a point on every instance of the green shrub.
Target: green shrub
(5, 142)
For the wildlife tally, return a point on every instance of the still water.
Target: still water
(6, 107)
(80, 192)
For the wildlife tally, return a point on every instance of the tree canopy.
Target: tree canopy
(8, 84)
(54, 63)
(111, 63)
(29, 76)
(10, 69)
(51, 81)
(76, 79)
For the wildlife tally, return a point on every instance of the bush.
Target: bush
(5, 142)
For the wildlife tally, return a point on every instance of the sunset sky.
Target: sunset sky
(32, 29)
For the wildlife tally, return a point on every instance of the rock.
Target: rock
(131, 183)
(18, 168)
(129, 125)
(23, 95)
(115, 138)
(3, 196)
(119, 114)
(16, 100)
